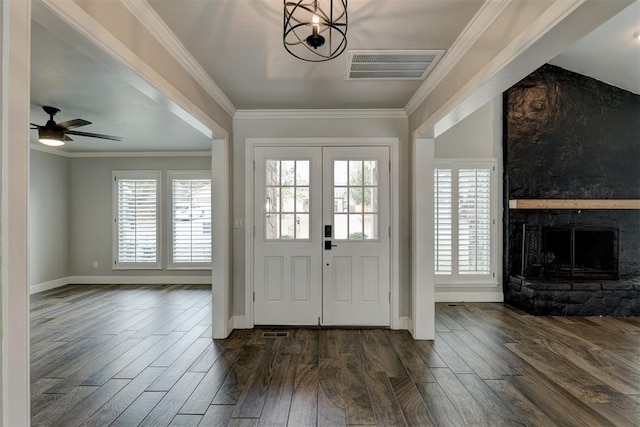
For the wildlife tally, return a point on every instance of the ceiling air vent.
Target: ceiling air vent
(391, 64)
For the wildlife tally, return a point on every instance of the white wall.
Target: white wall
(91, 211)
(314, 128)
(48, 217)
(478, 136)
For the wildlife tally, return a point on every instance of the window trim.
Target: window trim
(456, 278)
(185, 174)
(136, 174)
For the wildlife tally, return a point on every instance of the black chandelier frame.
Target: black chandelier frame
(298, 30)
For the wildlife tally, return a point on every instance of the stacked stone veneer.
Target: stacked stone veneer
(567, 136)
(619, 298)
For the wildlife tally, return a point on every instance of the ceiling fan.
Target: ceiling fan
(56, 134)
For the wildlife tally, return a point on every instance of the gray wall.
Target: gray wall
(48, 217)
(313, 128)
(91, 211)
(478, 136)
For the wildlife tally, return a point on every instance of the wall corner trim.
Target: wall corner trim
(238, 322)
(402, 323)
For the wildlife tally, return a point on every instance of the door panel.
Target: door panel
(356, 264)
(287, 200)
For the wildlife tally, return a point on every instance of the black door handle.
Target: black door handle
(328, 245)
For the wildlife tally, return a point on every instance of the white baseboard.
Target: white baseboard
(119, 280)
(492, 296)
(45, 286)
(139, 280)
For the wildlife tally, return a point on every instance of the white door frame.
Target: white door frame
(394, 151)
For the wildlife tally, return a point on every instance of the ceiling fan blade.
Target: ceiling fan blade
(33, 124)
(66, 138)
(75, 123)
(94, 135)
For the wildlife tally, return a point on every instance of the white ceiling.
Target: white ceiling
(239, 44)
(610, 53)
(63, 77)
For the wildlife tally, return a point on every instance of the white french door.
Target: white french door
(321, 244)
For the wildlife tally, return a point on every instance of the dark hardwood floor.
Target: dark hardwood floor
(143, 355)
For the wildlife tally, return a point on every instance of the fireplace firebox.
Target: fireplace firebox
(575, 253)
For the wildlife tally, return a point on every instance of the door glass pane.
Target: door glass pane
(370, 172)
(302, 172)
(273, 172)
(340, 201)
(370, 227)
(287, 199)
(287, 195)
(340, 172)
(302, 199)
(355, 172)
(355, 227)
(370, 200)
(272, 226)
(302, 226)
(288, 227)
(341, 229)
(287, 172)
(355, 199)
(272, 204)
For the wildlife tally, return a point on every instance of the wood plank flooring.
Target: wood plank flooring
(143, 355)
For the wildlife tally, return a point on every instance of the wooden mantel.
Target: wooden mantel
(574, 204)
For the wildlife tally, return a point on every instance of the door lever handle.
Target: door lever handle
(328, 245)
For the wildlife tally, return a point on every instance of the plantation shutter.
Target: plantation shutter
(191, 219)
(463, 221)
(137, 219)
(443, 221)
(474, 221)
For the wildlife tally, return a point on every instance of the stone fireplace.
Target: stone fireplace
(572, 187)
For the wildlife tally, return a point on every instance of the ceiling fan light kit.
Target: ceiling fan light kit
(315, 30)
(51, 137)
(55, 134)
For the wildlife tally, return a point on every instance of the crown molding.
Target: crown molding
(558, 11)
(392, 113)
(144, 13)
(480, 22)
(84, 154)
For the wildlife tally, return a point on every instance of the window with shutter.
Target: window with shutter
(463, 220)
(443, 221)
(136, 219)
(190, 226)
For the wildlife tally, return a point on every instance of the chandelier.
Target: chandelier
(315, 30)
